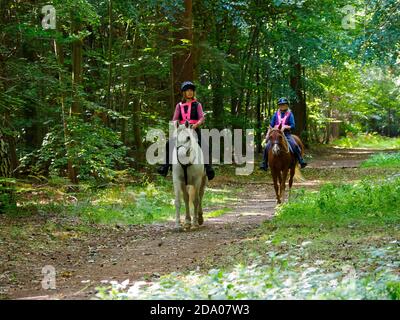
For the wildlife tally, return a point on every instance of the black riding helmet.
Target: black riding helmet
(187, 85)
(283, 101)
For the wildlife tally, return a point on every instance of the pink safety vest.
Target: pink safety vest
(186, 115)
(282, 121)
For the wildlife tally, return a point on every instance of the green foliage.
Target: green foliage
(131, 205)
(7, 195)
(363, 202)
(94, 150)
(131, 202)
(244, 55)
(310, 226)
(276, 278)
(383, 160)
(368, 140)
(137, 205)
(394, 290)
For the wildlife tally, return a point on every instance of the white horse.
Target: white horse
(188, 175)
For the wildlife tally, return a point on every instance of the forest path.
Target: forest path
(149, 251)
(146, 252)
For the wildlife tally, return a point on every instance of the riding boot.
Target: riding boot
(209, 171)
(164, 168)
(302, 163)
(264, 163)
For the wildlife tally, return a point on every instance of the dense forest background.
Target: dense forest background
(78, 100)
(83, 215)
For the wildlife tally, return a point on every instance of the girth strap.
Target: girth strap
(184, 167)
(185, 174)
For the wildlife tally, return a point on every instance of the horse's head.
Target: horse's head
(278, 141)
(186, 139)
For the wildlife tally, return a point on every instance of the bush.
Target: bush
(96, 151)
(278, 279)
(363, 202)
(7, 195)
(367, 140)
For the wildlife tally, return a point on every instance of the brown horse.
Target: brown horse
(281, 160)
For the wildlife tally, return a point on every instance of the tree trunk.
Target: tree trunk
(258, 112)
(7, 198)
(298, 106)
(109, 84)
(182, 59)
(75, 111)
(77, 48)
(246, 66)
(217, 88)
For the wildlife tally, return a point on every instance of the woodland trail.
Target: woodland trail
(146, 252)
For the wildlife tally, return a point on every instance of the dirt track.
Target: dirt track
(137, 252)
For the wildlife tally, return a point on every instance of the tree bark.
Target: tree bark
(77, 48)
(298, 106)
(182, 59)
(258, 112)
(75, 110)
(109, 82)
(7, 198)
(217, 87)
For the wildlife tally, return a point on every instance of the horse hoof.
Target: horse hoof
(201, 220)
(195, 226)
(178, 229)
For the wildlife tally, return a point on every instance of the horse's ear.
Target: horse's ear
(176, 124)
(187, 124)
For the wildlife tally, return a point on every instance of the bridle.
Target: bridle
(276, 141)
(188, 151)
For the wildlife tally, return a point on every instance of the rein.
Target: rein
(184, 166)
(286, 143)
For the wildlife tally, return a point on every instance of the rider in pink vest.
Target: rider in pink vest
(189, 109)
(284, 118)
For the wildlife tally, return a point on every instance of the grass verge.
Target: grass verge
(368, 140)
(341, 242)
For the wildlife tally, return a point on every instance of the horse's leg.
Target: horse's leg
(292, 172)
(283, 184)
(201, 194)
(280, 186)
(196, 201)
(186, 198)
(275, 179)
(178, 192)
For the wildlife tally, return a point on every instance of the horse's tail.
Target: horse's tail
(297, 173)
(298, 177)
